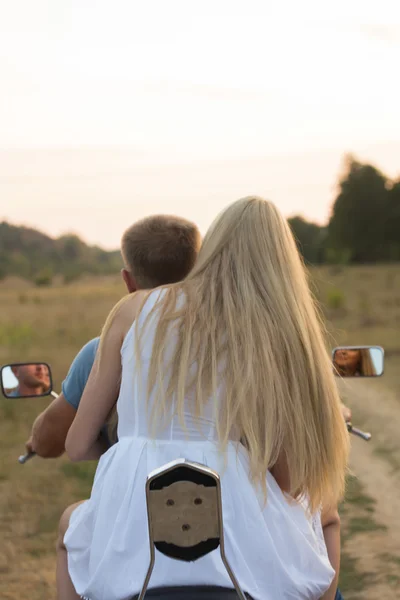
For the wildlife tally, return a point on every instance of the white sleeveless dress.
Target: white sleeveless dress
(276, 551)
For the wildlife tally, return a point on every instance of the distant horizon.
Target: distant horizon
(31, 181)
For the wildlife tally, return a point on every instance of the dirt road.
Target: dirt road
(376, 540)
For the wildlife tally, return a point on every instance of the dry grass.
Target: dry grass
(52, 324)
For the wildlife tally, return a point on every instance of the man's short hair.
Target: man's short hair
(160, 249)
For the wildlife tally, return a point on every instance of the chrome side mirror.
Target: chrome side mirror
(358, 361)
(26, 380)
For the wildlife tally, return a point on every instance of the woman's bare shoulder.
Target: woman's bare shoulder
(125, 312)
(131, 305)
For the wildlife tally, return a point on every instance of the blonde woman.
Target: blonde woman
(354, 362)
(234, 352)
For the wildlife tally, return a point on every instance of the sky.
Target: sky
(111, 110)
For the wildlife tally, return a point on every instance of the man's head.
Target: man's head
(31, 377)
(158, 250)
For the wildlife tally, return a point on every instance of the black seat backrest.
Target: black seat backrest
(183, 508)
(184, 511)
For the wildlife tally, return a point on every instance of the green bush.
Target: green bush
(335, 299)
(44, 278)
(16, 335)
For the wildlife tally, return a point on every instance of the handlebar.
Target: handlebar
(362, 434)
(25, 457)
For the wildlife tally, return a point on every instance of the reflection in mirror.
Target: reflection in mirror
(26, 380)
(358, 361)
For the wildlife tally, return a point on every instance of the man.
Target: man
(33, 380)
(157, 250)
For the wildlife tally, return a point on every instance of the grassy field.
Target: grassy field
(361, 305)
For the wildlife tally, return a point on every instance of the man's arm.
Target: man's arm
(49, 431)
(103, 384)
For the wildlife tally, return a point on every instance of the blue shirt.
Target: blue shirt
(78, 374)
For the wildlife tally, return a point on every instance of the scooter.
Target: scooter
(184, 507)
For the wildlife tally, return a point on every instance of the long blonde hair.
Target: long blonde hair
(250, 322)
(367, 367)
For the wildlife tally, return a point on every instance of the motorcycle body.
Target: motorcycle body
(177, 493)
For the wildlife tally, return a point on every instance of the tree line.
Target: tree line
(32, 255)
(364, 225)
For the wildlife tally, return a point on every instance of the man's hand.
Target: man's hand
(28, 446)
(346, 413)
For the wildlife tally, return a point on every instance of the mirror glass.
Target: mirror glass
(26, 380)
(358, 361)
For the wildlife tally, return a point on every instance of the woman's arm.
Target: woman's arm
(100, 447)
(102, 387)
(330, 524)
(331, 528)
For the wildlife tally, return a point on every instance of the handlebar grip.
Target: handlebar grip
(25, 457)
(362, 434)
